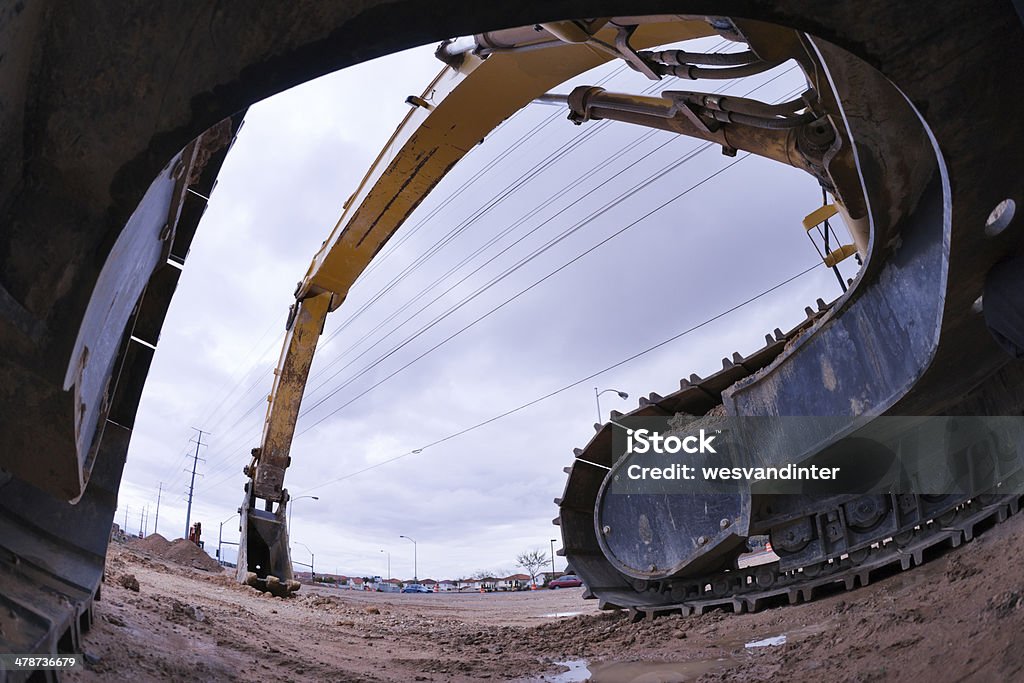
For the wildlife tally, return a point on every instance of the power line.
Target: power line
(208, 412)
(239, 420)
(511, 188)
(525, 290)
(575, 383)
(498, 158)
(490, 165)
(507, 272)
(459, 229)
(494, 201)
(426, 290)
(531, 213)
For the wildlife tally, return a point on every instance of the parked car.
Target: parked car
(567, 581)
(416, 588)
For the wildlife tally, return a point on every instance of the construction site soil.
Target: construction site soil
(957, 618)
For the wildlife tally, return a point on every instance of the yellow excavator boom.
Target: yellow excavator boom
(468, 99)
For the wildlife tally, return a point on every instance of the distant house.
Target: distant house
(447, 585)
(429, 583)
(512, 583)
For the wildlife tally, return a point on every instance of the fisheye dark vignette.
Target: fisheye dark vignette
(94, 247)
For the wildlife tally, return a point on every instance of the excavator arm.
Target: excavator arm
(486, 79)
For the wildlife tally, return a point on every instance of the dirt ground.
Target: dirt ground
(957, 618)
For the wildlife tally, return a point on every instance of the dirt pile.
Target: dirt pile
(181, 551)
(154, 543)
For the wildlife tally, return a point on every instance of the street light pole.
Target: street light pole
(597, 398)
(552, 559)
(291, 509)
(220, 539)
(415, 568)
(389, 564)
(312, 561)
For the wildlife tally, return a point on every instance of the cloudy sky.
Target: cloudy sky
(475, 501)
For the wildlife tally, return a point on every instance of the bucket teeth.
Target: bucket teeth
(598, 426)
(821, 304)
(778, 334)
(684, 384)
(557, 521)
(809, 312)
(769, 340)
(726, 364)
(558, 502)
(695, 379)
(737, 358)
(650, 400)
(577, 452)
(615, 415)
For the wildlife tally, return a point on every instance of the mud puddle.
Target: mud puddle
(635, 672)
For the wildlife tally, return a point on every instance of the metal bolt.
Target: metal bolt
(652, 568)
(606, 529)
(724, 524)
(702, 540)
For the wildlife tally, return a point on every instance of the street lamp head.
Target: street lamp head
(621, 394)
(318, 497)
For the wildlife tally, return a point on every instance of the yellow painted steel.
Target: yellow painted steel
(272, 458)
(841, 254)
(820, 215)
(468, 103)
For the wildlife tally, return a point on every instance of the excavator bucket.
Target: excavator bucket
(264, 560)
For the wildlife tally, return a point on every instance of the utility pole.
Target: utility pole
(192, 487)
(156, 522)
(125, 529)
(141, 521)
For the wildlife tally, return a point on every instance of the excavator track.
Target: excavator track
(754, 587)
(928, 523)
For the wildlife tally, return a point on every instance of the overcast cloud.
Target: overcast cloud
(475, 501)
